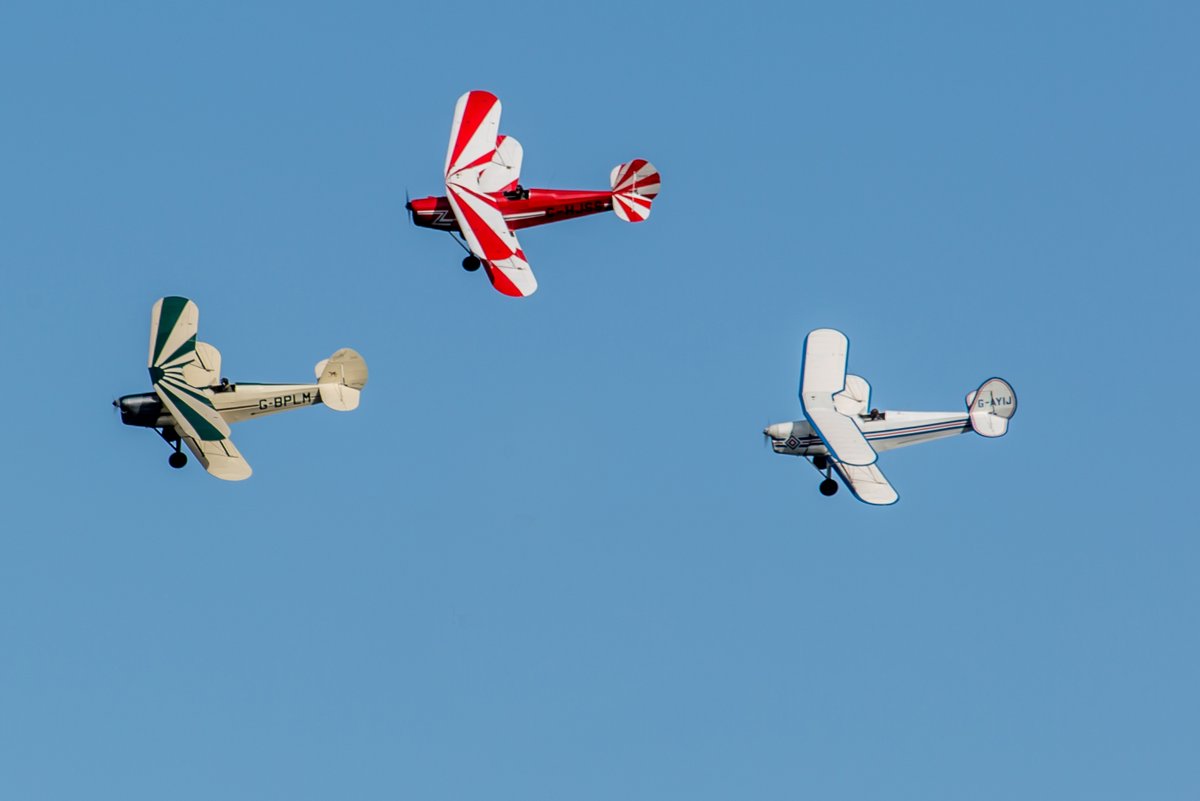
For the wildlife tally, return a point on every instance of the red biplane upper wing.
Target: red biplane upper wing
(473, 133)
(473, 143)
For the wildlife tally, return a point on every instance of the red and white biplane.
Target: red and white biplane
(485, 202)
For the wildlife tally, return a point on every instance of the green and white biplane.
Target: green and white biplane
(192, 405)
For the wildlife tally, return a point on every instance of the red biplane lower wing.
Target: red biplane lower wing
(512, 276)
(491, 240)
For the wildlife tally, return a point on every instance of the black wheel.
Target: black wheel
(470, 264)
(820, 462)
(177, 459)
(829, 487)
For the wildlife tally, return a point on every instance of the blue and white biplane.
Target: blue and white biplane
(842, 434)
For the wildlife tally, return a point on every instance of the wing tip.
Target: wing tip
(505, 285)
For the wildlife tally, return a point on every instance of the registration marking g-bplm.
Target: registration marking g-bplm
(285, 401)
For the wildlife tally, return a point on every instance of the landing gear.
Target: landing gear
(821, 462)
(829, 487)
(470, 264)
(177, 459)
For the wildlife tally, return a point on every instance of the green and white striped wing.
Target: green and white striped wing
(220, 458)
(173, 324)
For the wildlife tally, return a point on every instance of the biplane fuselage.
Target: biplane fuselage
(531, 207)
(889, 431)
(235, 403)
(486, 205)
(842, 434)
(192, 406)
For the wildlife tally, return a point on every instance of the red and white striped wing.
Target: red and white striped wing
(478, 163)
(503, 172)
(512, 276)
(482, 223)
(491, 240)
(634, 186)
(472, 134)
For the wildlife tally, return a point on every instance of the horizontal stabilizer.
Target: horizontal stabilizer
(991, 407)
(340, 379)
(634, 187)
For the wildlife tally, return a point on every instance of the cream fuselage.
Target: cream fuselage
(235, 403)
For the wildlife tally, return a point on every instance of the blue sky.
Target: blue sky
(549, 556)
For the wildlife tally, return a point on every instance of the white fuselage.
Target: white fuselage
(890, 431)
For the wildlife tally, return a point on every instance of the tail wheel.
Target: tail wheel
(829, 487)
(177, 459)
(470, 264)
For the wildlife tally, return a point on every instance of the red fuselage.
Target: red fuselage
(523, 209)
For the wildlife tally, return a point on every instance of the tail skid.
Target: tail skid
(340, 379)
(634, 187)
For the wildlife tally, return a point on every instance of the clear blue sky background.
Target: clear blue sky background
(549, 557)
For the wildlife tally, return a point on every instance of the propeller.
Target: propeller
(408, 206)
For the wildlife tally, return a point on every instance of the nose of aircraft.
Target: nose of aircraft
(778, 430)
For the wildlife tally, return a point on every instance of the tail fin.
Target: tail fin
(340, 379)
(634, 186)
(991, 406)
